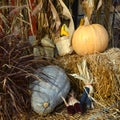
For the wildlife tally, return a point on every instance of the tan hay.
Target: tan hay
(95, 114)
(105, 68)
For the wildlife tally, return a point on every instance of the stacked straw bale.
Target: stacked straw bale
(105, 68)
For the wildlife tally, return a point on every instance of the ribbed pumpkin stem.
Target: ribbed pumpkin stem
(86, 21)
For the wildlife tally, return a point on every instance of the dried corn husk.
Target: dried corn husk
(47, 42)
(66, 13)
(46, 49)
(88, 7)
(37, 8)
(55, 16)
(63, 46)
(99, 4)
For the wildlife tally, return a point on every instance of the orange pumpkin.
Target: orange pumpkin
(90, 39)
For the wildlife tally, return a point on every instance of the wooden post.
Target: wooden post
(75, 12)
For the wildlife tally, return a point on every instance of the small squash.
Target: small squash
(88, 39)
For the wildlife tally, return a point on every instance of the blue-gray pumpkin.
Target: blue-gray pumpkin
(47, 92)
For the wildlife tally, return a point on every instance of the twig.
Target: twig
(29, 2)
(4, 7)
(23, 21)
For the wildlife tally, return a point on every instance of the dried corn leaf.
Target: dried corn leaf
(55, 16)
(37, 8)
(99, 4)
(66, 13)
(43, 23)
(4, 19)
(1, 28)
(16, 10)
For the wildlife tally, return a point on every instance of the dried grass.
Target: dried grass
(95, 114)
(105, 68)
(16, 67)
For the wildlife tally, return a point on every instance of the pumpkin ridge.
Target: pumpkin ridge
(95, 45)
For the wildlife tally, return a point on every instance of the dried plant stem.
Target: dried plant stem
(29, 14)
(23, 21)
(4, 7)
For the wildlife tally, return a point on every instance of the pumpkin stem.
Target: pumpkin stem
(86, 21)
(45, 104)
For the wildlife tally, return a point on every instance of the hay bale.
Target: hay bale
(105, 68)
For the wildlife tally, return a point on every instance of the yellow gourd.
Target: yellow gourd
(88, 39)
